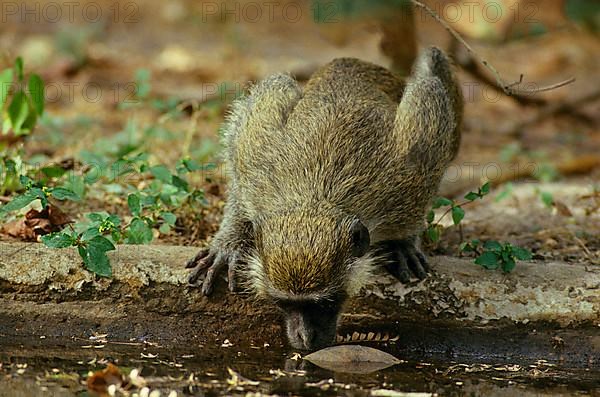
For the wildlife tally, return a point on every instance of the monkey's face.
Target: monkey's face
(311, 324)
(308, 265)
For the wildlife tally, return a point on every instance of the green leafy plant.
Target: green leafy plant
(434, 228)
(495, 255)
(37, 191)
(151, 208)
(93, 243)
(20, 107)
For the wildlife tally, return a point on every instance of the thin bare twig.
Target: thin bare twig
(507, 88)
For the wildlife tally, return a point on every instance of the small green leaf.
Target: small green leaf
(164, 228)
(101, 243)
(142, 83)
(433, 233)
(94, 255)
(441, 202)
(6, 78)
(521, 254)
(41, 194)
(430, 216)
(26, 181)
(19, 68)
(180, 183)
(492, 245)
(188, 165)
(457, 214)
(488, 259)
(53, 171)
(134, 204)
(485, 189)
(18, 111)
(508, 265)
(507, 191)
(95, 217)
(169, 217)
(139, 232)
(547, 199)
(60, 193)
(90, 233)
(161, 173)
(36, 91)
(30, 121)
(19, 202)
(96, 261)
(471, 196)
(114, 219)
(58, 240)
(76, 184)
(469, 246)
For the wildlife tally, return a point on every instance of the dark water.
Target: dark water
(37, 369)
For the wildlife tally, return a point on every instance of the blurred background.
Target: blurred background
(130, 86)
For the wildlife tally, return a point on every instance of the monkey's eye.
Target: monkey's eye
(330, 305)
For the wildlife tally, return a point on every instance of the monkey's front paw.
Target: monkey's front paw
(403, 258)
(210, 263)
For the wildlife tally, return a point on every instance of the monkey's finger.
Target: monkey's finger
(414, 263)
(212, 273)
(398, 267)
(424, 261)
(200, 269)
(231, 271)
(199, 256)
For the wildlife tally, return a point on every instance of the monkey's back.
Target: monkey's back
(336, 148)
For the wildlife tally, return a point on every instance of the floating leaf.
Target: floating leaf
(352, 359)
(100, 381)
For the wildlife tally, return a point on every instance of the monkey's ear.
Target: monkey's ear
(360, 238)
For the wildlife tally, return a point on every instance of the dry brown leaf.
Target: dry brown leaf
(37, 223)
(100, 381)
(562, 208)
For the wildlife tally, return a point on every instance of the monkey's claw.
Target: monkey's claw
(403, 258)
(210, 263)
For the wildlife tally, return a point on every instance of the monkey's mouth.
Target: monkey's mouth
(310, 333)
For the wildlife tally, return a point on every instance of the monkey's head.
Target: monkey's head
(308, 263)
